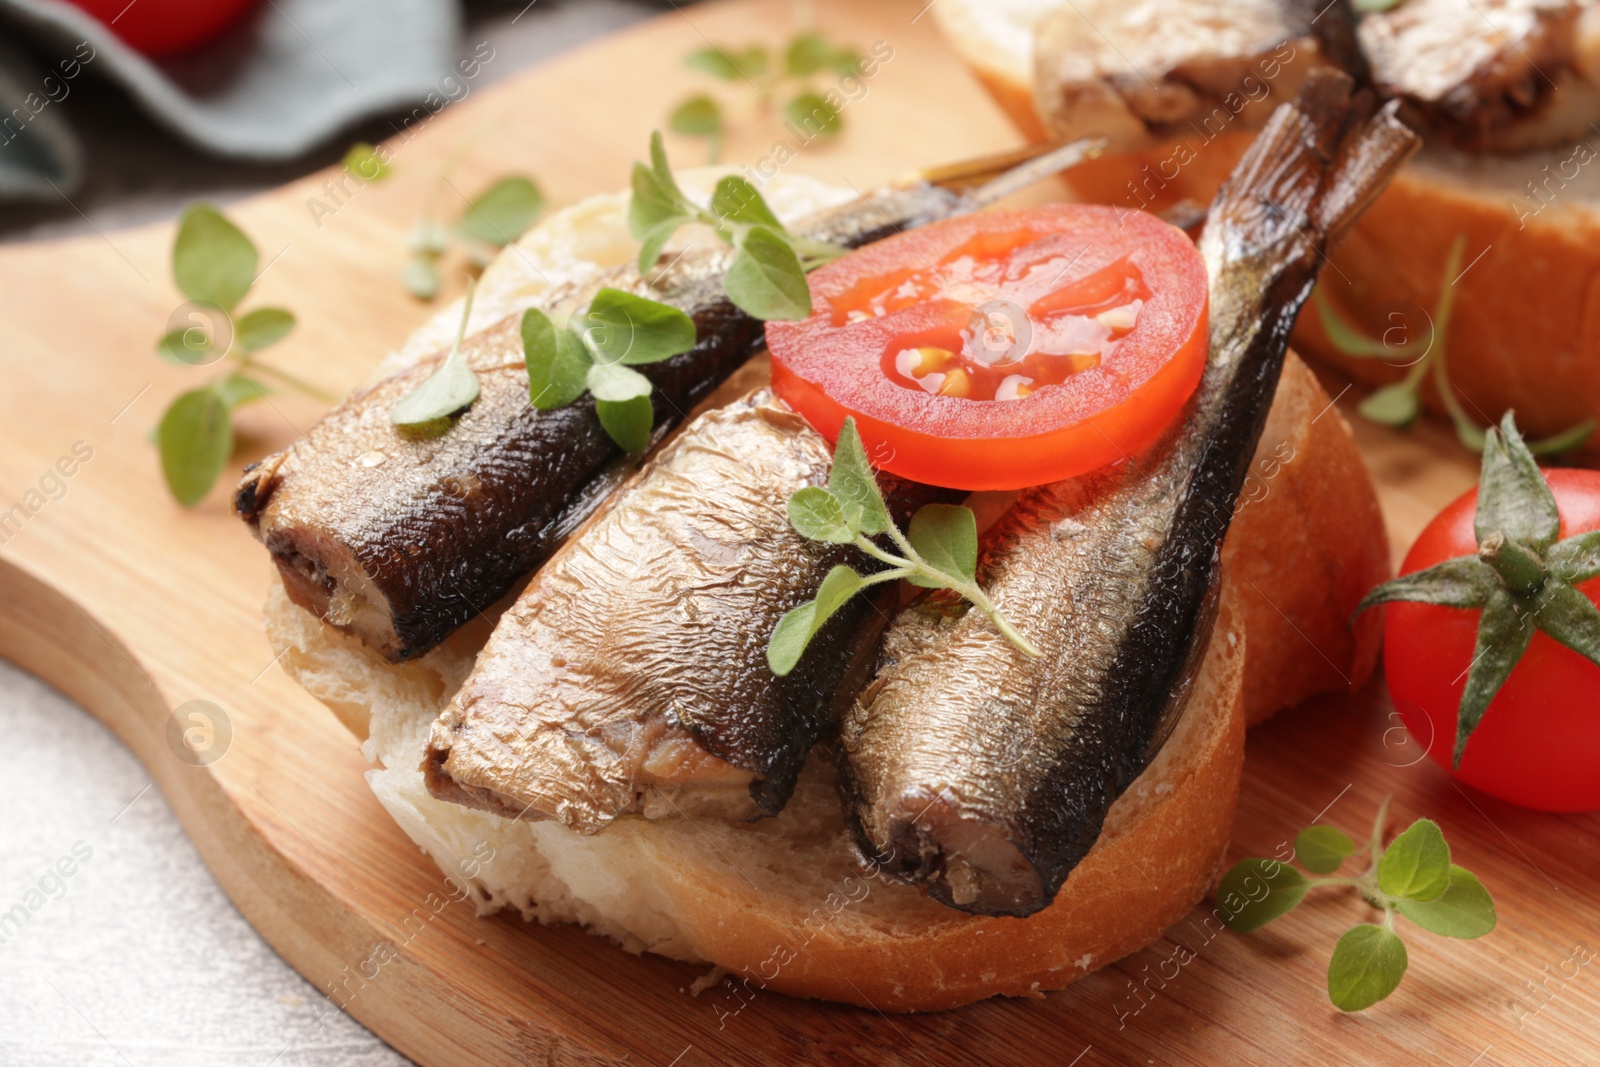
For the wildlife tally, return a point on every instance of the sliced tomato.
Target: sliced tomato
(1002, 349)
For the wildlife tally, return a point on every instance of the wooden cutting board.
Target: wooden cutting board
(134, 607)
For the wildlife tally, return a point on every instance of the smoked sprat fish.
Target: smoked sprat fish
(630, 677)
(400, 540)
(986, 776)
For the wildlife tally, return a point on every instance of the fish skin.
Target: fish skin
(986, 775)
(631, 676)
(399, 540)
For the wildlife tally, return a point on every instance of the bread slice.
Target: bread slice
(1526, 327)
(783, 904)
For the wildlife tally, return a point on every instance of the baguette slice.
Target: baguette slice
(783, 905)
(1525, 333)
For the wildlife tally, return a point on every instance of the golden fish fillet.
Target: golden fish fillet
(986, 775)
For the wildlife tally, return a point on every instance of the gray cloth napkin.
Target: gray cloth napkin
(292, 74)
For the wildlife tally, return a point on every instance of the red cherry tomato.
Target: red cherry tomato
(1538, 745)
(163, 27)
(1002, 349)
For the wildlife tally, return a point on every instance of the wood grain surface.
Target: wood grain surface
(134, 606)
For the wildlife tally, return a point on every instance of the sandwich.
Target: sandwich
(1495, 214)
(561, 655)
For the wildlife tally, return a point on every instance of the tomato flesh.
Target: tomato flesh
(1538, 745)
(1003, 349)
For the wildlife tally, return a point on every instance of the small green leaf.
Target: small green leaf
(1464, 910)
(765, 279)
(422, 278)
(853, 483)
(1463, 582)
(1571, 618)
(1321, 849)
(807, 54)
(846, 61)
(818, 515)
(737, 201)
(1367, 965)
(813, 114)
(946, 537)
(187, 347)
(366, 163)
(663, 171)
(1256, 891)
(1503, 635)
(428, 238)
(558, 364)
(796, 629)
(212, 259)
(752, 61)
(196, 439)
(620, 327)
(716, 62)
(1416, 865)
(616, 383)
(449, 389)
(650, 206)
(656, 239)
(1469, 433)
(628, 422)
(1392, 405)
(498, 215)
(263, 327)
(452, 387)
(1373, 6)
(698, 116)
(1513, 497)
(237, 390)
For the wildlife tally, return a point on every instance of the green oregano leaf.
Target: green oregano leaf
(735, 201)
(765, 279)
(1256, 891)
(627, 422)
(212, 259)
(451, 388)
(1367, 965)
(421, 277)
(1464, 909)
(237, 390)
(366, 162)
(1565, 441)
(558, 364)
(817, 515)
(615, 383)
(715, 62)
(807, 54)
(1321, 849)
(1345, 337)
(1416, 865)
(196, 438)
(855, 485)
(619, 327)
(813, 115)
(1392, 405)
(656, 239)
(262, 327)
(796, 629)
(498, 215)
(946, 537)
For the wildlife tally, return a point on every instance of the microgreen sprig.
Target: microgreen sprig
(1414, 878)
(214, 265)
(1521, 578)
(491, 220)
(806, 54)
(427, 409)
(938, 550)
(597, 352)
(1399, 403)
(767, 278)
